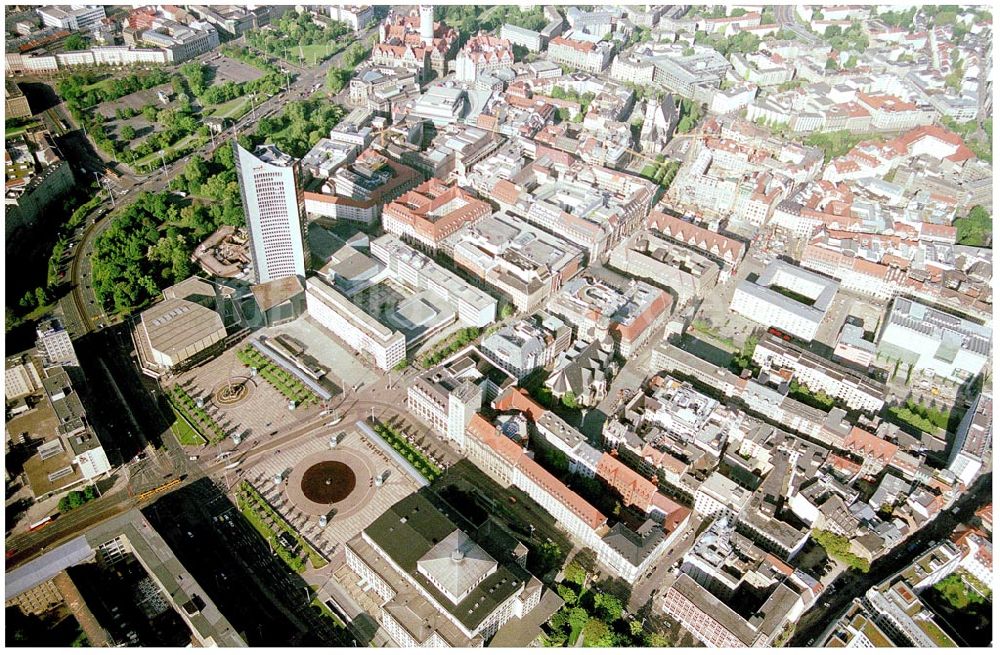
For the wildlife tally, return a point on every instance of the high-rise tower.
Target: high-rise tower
(427, 24)
(274, 211)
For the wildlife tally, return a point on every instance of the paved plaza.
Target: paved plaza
(263, 411)
(350, 516)
(344, 368)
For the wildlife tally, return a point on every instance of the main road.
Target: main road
(26, 546)
(86, 314)
(83, 314)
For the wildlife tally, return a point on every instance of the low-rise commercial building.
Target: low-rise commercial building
(515, 258)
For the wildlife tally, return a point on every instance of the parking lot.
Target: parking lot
(225, 69)
(136, 100)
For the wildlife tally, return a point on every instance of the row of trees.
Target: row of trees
(741, 43)
(337, 78)
(78, 498)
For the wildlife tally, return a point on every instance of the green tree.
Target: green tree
(569, 400)
(76, 42)
(568, 595)
(975, 229)
(609, 606)
(127, 133)
(597, 634)
(575, 573)
(337, 79)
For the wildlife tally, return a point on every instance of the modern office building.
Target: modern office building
(275, 215)
(54, 345)
(74, 17)
(338, 314)
(475, 307)
(933, 341)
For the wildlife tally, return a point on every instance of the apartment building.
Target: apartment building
(483, 54)
(584, 55)
(629, 311)
(74, 17)
(526, 38)
(528, 344)
(719, 496)
(818, 374)
(358, 191)
(663, 262)
(432, 212)
(447, 396)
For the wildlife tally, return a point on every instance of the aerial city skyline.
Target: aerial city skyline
(465, 326)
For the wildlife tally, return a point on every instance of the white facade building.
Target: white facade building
(275, 216)
(359, 330)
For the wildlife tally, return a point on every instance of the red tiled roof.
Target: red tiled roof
(518, 399)
(729, 249)
(582, 46)
(570, 499)
(868, 445)
(483, 430)
(633, 330)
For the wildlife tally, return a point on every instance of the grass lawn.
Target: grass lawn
(186, 435)
(258, 510)
(14, 131)
(313, 54)
(233, 109)
(325, 611)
